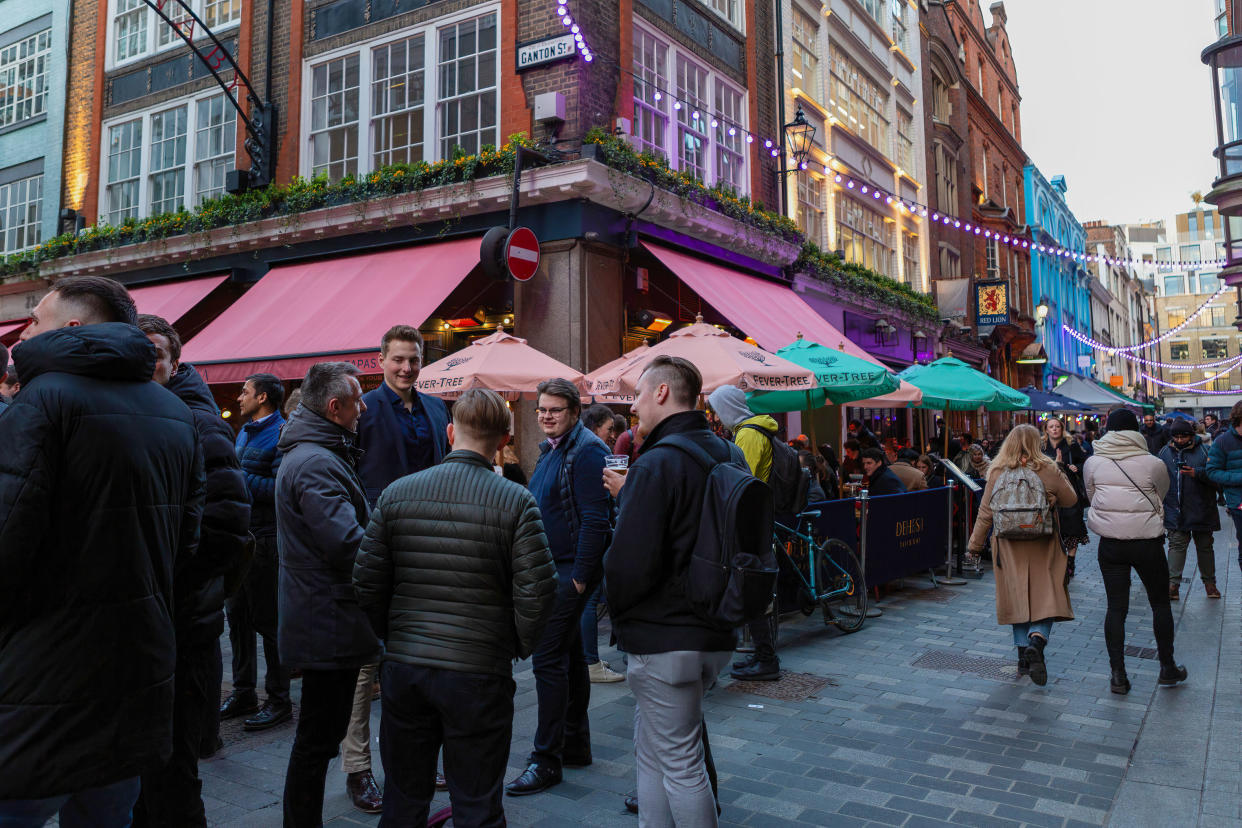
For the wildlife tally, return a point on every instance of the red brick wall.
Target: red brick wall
(81, 108)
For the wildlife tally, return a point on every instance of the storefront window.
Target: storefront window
(864, 236)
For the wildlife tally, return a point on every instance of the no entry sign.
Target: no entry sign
(522, 254)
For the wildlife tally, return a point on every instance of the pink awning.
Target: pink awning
(173, 300)
(329, 310)
(770, 313)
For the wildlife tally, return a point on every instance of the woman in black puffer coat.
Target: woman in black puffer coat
(1070, 458)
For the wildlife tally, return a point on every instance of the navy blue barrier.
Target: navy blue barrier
(836, 520)
(906, 534)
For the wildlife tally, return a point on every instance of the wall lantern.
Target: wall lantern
(800, 133)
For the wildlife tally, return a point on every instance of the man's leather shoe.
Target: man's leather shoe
(535, 779)
(269, 716)
(1119, 683)
(758, 670)
(239, 704)
(577, 759)
(1171, 675)
(364, 792)
(1212, 591)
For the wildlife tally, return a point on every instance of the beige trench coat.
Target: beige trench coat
(1030, 574)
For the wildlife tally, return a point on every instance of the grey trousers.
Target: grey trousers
(1179, 542)
(673, 788)
(356, 746)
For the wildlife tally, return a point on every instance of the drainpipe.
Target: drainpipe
(780, 103)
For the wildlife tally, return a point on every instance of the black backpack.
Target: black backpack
(732, 572)
(789, 485)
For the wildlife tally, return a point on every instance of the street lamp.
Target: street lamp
(1225, 58)
(1041, 310)
(800, 133)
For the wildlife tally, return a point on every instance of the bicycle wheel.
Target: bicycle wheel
(837, 571)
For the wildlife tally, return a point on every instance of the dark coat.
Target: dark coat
(1190, 505)
(658, 524)
(885, 482)
(199, 582)
(455, 571)
(260, 460)
(382, 439)
(1224, 466)
(1156, 437)
(321, 514)
(575, 506)
(101, 491)
(1072, 527)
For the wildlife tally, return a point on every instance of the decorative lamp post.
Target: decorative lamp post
(800, 133)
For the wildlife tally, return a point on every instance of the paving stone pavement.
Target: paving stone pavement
(891, 742)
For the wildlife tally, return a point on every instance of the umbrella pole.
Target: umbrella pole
(946, 433)
(810, 424)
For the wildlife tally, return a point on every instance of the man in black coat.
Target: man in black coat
(101, 492)
(1190, 510)
(880, 478)
(1155, 435)
(172, 795)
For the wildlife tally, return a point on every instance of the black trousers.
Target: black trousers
(253, 610)
(327, 701)
(562, 681)
(470, 715)
(1145, 557)
(172, 795)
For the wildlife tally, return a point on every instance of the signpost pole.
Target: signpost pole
(864, 498)
(948, 578)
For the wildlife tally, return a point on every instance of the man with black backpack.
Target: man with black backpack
(776, 464)
(687, 499)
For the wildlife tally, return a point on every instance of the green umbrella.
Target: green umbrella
(842, 378)
(949, 384)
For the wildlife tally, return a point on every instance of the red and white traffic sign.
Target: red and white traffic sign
(522, 254)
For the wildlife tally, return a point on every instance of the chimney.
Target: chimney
(999, 17)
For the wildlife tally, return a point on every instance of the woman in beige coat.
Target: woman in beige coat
(1030, 574)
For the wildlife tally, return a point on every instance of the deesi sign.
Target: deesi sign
(545, 51)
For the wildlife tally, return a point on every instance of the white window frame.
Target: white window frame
(364, 50)
(731, 11)
(650, 81)
(37, 61)
(154, 24)
(1175, 343)
(812, 208)
(805, 54)
(35, 228)
(852, 93)
(190, 167)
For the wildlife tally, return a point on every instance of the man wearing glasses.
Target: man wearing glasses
(575, 517)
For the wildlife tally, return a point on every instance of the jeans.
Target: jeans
(108, 807)
(251, 610)
(1205, 551)
(471, 716)
(356, 747)
(172, 795)
(327, 699)
(562, 682)
(673, 783)
(1022, 632)
(1146, 557)
(590, 627)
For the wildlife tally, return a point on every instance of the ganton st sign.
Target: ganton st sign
(545, 51)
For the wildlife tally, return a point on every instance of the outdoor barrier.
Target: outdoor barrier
(838, 519)
(906, 534)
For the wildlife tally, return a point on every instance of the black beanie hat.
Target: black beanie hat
(1122, 419)
(1181, 426)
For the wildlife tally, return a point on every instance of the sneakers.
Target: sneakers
(1174, 589)
(758, 670)
(602, 673)
(1172, 674)
(1212, 591)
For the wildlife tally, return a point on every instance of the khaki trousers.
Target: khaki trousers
(356, 746)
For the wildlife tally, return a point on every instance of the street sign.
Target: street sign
(522, 254)
(549, 50)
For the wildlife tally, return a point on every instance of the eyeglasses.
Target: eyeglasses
(556, 412)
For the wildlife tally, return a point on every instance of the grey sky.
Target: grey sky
(1114, 98)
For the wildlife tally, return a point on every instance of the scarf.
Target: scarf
(1118, 445)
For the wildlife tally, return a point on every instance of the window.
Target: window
(1179, 351)
(942, 105)
(1000, 103)
(730, 160)
(864, 235)
(397, 95)
(856, 101)
(215, 147)
(980, 86)
(136, 30)
(1174, 285)
(182, 22)
(1189, 253)
(124, 171)
(468, 86)
(1215, 316)
(905, 141)
(805, 63)
(129, 28)
(1215, 347)
(692, 118)
(993, 253)
(1164, 254)
(875, 8)
(910, 257)
(1223, 383)
(898, 9)
(730, 10)
(1192, 223)
(1180, 377)
(23, 78)
(650, 107)
(1222, 18)
(334, 118)
(811, 207)
(21, 213)
(1209, 282)
(1174, 317)
(946, 179)
(219, 12)
(950, 263)
(166, 185)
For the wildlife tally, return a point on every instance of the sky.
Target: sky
(1115, 98)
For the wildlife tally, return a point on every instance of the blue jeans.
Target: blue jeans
(111, 806)
(590, 627)
(1022, 632)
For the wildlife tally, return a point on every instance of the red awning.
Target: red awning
(173, 300)
(329, 310)
(10, 330)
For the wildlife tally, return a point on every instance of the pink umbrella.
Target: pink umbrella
(720, 358)
(615, 399)
(500, 362)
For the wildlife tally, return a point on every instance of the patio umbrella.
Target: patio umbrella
(720, 358)
(615, 399)
(1180, 415)
(1050, 401)
(951, 385)
(500, 362)
(842, 378)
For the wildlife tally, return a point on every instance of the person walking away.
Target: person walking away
(172, 795)
(1155, 435)
(599, 420)
(1189, 508)
(457, 578)
(253, 609)
(910, 477)
(1224, 468)
(1023, 489)
(575, 510)
(880, 478)
(1070, 459)
(1127, 485)
(321, 514)
(675, 655)
(101, 493)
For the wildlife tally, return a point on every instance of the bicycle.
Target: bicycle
(831, 576)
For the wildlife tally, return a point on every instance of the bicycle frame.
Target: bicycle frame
(813, 554)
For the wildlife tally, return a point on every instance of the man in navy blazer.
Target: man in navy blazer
(401, 432)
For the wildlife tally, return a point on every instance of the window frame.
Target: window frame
(813, 215)
(38, 57)
(733, 13)
(884, 240)
(1203, 347)
(805, 53)
(154, 25)
(34, 228)
(855, 85)
(1175, 344)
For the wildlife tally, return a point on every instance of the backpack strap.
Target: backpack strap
(697, 453)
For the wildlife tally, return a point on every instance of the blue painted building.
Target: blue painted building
(34, 55)
(1057, 282)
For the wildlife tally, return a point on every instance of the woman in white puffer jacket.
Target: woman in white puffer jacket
(1126, 486)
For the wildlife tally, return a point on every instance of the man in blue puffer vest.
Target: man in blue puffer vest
(1224, 467)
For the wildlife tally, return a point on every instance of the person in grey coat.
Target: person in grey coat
(321, 514)
(1189, 507)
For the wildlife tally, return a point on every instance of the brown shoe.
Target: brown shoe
(1174, 589)
(1212, 591)
(364, 792)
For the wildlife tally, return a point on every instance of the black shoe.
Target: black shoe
(745, 661)
(1119, 683)
(1035, 657)
(1024, 666)
(239, 704)
(1172, 674)
(758, 671)
(535, 779)
(578, 759)
(210, 747)
(268, 717)
(631, 804)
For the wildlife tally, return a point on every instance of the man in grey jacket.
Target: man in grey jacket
(457, 577)
(321, 513)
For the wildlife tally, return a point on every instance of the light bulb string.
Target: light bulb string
(1110, 349)
(1177, 365)
(1181, 387)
